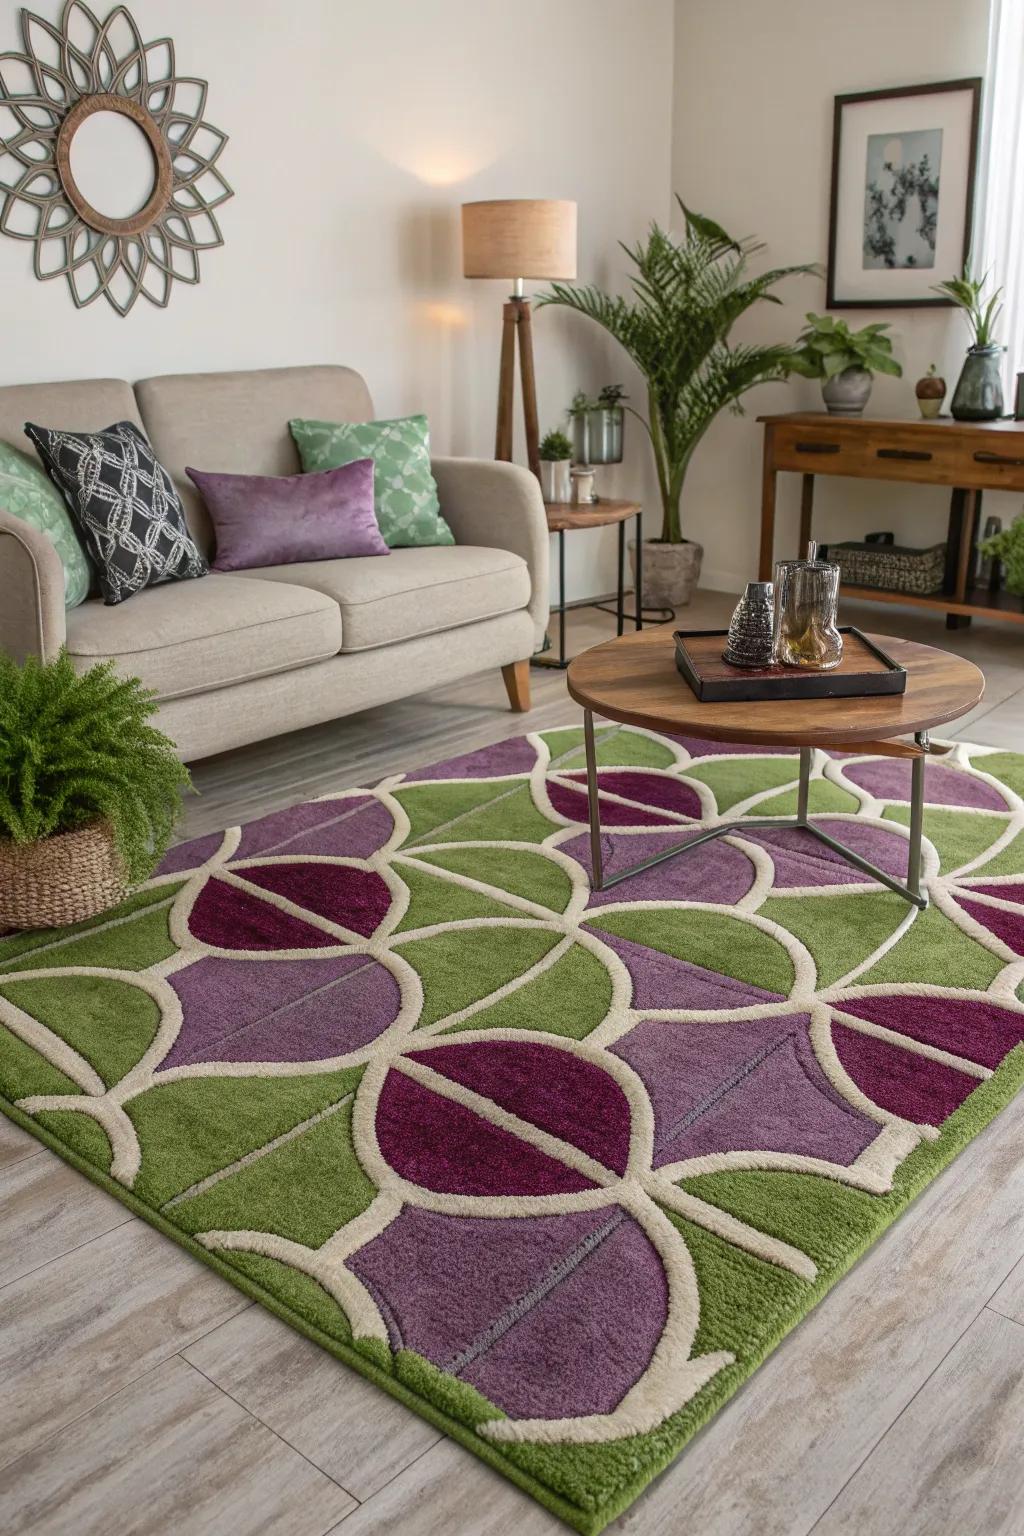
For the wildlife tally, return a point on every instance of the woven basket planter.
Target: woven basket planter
(62, 879)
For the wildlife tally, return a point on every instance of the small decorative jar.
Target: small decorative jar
(750, 641)
(806, 609)
(583, 485)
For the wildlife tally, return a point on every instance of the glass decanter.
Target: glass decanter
(806, 608)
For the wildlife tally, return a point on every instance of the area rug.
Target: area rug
(556, 1168)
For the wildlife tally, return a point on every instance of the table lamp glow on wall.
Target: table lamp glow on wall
(518, 238)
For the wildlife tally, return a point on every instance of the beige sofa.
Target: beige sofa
(236, 657)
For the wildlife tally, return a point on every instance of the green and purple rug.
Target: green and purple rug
(555, 1168)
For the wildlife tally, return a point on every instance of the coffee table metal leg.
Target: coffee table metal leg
(911, 891)
(804, 787)
(592, 801)
(916, 816)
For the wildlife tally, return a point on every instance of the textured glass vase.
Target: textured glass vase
(979, 390)
(806, 609)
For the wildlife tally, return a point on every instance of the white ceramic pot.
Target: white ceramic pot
(847, 393)
(670, 572)
(555, 480)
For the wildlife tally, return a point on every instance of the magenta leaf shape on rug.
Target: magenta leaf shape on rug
(433, 1141)
(973, 1028)
(354, 898)
(1008, 926)
(547, 1316)
(550, 1088)
(227, 917)
(905, 1083)
(652, 794)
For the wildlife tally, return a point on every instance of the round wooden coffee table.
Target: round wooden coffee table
(634, 681)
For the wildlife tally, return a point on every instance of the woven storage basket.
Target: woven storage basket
(891, 567)
(61, 879)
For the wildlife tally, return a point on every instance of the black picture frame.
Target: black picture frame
(971, 85)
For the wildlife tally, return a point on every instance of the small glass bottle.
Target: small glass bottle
(806, 609)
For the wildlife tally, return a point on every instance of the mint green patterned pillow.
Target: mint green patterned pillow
(26, 491)
(404, 490)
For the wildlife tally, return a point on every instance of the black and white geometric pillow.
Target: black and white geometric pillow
(124, 504)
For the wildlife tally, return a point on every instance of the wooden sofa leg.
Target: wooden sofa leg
(516, 677)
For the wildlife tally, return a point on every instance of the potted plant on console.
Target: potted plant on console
(845, 361)
(688, 293)
(555, 464)
(979, 390)
(89, 791)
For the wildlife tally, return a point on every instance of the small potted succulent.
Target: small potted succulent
(845, 361)
(979, 390)
(555, 464)
(89, 791)
(930, 390)
(597, 425)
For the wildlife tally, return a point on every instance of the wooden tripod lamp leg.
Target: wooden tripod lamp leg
(529, 387)
(506, 384)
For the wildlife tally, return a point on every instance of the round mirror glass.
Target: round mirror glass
(112, 164)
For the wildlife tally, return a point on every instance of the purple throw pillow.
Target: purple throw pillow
(281, 519)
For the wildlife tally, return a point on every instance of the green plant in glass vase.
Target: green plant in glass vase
(979, 390)
(89, 791)
(687, 294)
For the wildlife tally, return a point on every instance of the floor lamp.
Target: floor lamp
(518, 238)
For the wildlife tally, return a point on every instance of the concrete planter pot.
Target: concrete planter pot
(670, 572)
(848, 392)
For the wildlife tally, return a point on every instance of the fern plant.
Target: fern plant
(687, 295)
(78, 748)
(1008, 546)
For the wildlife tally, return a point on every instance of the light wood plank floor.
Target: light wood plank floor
(139, 1393)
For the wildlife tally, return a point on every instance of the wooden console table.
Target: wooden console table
(969, 457)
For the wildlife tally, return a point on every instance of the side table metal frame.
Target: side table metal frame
(911, 891)
(561, 661)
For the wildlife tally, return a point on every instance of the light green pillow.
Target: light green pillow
(26, 491)
(404, 491)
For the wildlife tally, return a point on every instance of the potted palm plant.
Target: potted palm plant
(687, 295)
(89, 791)
(845, 361)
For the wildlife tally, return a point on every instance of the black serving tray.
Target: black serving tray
(865, 669)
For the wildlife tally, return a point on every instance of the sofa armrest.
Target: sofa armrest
(499, 506)
(31, 591)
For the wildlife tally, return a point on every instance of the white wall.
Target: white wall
(356, 131)
(754, 83)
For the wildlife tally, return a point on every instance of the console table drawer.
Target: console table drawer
(863, 450)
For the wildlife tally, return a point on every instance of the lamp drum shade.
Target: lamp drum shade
(519, 237)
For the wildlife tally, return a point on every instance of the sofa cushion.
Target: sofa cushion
(412, 592)
(238, 422)
(183, 639)
(124, 504)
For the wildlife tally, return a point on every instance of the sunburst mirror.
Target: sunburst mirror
(107, 164)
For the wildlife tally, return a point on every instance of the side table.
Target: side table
(563, 518)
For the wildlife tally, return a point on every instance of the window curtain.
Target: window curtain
(999, 226)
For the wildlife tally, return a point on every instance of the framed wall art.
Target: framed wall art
(903, 164)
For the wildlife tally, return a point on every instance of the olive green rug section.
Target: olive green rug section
(556, 1168)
